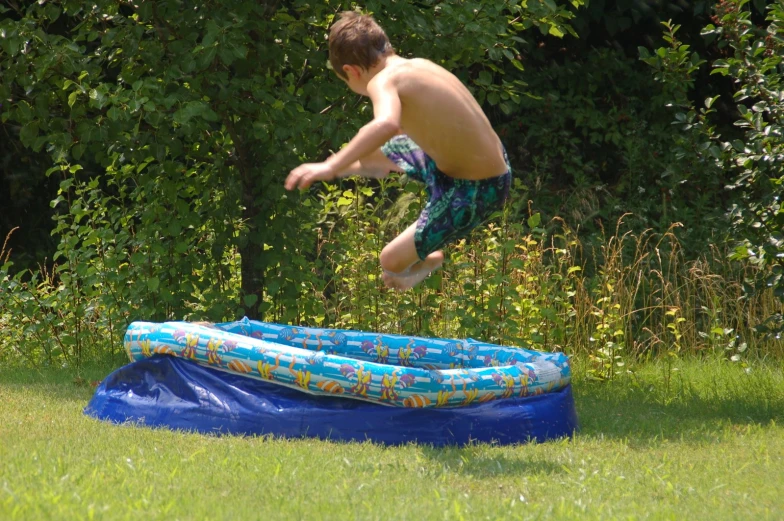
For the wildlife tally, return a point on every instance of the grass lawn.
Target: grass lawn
(711, 447)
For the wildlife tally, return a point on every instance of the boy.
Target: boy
(427, 125)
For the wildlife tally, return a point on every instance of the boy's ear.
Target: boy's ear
(352, 71)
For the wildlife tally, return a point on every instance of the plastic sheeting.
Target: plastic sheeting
(165, 391)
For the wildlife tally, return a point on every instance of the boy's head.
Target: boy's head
(356, 39)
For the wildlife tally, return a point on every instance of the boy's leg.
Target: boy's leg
(401, 264)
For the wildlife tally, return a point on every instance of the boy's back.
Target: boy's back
(444, 119)
(426, 124)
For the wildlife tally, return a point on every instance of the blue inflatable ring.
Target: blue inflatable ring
(354, 364)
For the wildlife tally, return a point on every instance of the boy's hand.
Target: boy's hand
(306, 174)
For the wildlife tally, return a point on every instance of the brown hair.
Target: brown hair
(356, 39)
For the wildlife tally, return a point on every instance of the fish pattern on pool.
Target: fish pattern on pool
(394, 370)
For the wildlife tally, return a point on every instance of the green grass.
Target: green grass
(709, 447)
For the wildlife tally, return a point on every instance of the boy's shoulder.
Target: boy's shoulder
(402, 68)
(409, 64)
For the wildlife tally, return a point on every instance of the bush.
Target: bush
(752, 57)
(592, 143)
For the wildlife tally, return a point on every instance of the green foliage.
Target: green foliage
(170, 133)
(163, 125)
(593, 145)
(478, 40)
(751, 56)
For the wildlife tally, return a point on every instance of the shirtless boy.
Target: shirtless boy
(425, 124)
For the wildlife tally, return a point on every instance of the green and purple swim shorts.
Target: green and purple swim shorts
(454, 206)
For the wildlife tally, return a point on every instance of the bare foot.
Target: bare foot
(415, 274)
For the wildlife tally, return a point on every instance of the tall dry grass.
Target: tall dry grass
(637, 296)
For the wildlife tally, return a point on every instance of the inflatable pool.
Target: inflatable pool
(387, 369)
(256, 378)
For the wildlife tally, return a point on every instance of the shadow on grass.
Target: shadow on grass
(56, 392)
(488, 464)
(643, 411)
(56, 383)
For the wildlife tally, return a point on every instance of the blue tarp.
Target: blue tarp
(165, 391)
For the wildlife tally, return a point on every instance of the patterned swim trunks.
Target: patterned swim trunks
(454, 206)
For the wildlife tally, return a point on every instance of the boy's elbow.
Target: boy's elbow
(388, 128)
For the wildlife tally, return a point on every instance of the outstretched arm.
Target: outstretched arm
(385, 124)
(352, 159)
(375, 165)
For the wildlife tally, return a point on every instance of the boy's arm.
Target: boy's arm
(375, 165)
(367, 142)
(384, 126)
